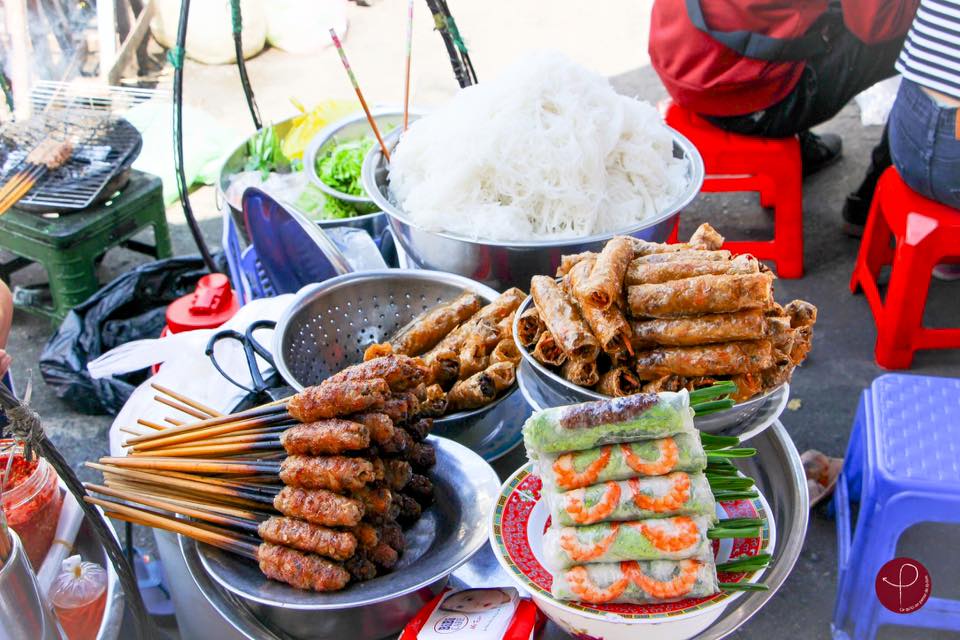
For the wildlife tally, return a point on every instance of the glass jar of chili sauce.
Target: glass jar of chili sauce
(31, 500)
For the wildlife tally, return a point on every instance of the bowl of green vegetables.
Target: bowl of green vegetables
(333, 162)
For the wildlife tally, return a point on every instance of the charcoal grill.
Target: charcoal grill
(105, 145)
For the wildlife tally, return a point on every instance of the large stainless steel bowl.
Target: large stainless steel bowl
(373, 223)
(330, 324)
(553, 390)
(512, 264)
(446, 537)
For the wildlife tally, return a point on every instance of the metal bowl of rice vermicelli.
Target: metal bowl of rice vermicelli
(511, 264)
(330, 324)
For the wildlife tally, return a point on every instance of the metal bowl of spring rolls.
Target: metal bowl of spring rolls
(546, 388)
(450, 531)
(778, 473)
(329, 325)
(512, 264)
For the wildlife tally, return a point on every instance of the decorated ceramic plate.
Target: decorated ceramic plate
(521, 517)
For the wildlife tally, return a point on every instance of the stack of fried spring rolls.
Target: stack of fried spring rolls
(467, 346)
(629, 502)
(667, 317)
(354, 473)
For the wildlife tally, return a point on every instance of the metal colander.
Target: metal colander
(330, 324)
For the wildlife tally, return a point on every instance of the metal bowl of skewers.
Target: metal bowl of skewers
(512, 264)
(331, 324)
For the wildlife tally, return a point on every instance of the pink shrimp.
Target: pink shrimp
(669, 454)
(586, 590)
(678, 496)
(679, 585)
(567, 476)
(580, 514)
(585, 553)
(687, 536)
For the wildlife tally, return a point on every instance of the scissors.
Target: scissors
(261, 390)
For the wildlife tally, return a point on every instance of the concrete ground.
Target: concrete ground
(614, 43)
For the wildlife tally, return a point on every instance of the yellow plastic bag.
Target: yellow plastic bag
(305, 126)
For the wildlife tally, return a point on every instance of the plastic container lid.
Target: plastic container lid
(212, 304)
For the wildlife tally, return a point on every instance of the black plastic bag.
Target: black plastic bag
(132, 307)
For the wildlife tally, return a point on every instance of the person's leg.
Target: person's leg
(857, 205)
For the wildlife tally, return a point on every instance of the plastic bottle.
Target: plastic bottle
(79, 595)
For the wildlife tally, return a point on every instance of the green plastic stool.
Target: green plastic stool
(69, 245)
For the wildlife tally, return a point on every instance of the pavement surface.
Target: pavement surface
(825, 389)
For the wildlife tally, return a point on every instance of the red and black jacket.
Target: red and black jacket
(732, 57)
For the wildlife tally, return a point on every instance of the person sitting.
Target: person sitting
(924, 123)
(6, 319)
(776, 68)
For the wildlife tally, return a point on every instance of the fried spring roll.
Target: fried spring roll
(609, 326)
(748, 385)
(332, 399)
(637, 582)
(802, 343)
(706, 237)
(676, 538)
(604, 285)
(505, 351)
(682, 256)
(548, 352)
(333, 473)
(477, 345)
(724, 359)
(801, 313)
(529, 327)
(505, 327)
(444, 368)
(377, 350)
(581, 372)
(429, 328)
(309, 537)
(500, 308)
(618, 382)
(433, 403)
(481, 388)
(319, 507)
(569, 262)
(703, 294)
(325, 437)
(655, 273)
(567, 326)
(399, 371)
(301, 570)
(707, 329)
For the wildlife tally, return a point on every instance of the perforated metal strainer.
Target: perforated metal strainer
(330, 324)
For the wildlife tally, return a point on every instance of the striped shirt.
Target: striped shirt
(931, 53)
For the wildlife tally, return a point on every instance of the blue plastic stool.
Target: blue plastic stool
(903, 463)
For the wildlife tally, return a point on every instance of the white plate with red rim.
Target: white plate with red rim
(516, 535)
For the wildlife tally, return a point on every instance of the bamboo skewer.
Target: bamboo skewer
(406, 83)
(152, 425)
(235, 482)
(250, 414)
(203, 434)
(228, 449)
(175, 423)
(356, 88)
(200, 514)
(199, 496)
(213, 413)
(200, 465)
(249, 498)
(139, 516)
(181, 497)
(190, 411)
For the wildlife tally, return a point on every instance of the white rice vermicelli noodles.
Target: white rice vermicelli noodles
(546, 151)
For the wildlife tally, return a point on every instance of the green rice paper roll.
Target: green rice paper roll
(643, 582)
(676, 538)
(675, 494)
(578, 469)
(588, 425)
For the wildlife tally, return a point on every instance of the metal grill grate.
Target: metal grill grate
(104, 144)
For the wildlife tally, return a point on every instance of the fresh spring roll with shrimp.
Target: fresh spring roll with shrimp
(578, 469)
(675, 494)
(676, 538)
(588, 425)
(643, 582)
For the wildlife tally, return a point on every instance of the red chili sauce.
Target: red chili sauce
(31, 503)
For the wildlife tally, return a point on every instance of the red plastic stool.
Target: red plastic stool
(926, 233)
(769, 166)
